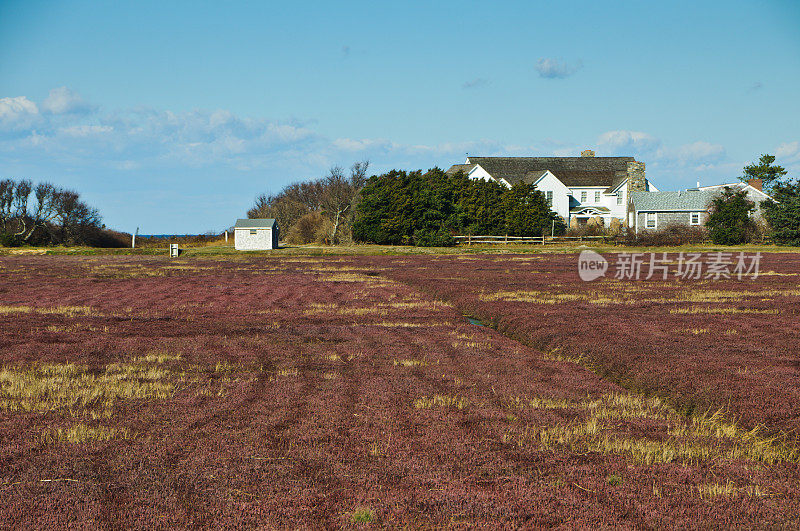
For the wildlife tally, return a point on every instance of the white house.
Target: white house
(255, 234)
(578, 188)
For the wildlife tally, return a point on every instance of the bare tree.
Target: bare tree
(57, 214)
(6, 201)
(44, 211)
(340, 192)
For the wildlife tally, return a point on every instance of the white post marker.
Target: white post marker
(226, 236)
(133, 238)
(174, 252)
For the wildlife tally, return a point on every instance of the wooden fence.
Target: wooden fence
(540, 240)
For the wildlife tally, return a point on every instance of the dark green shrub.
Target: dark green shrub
(729, 222)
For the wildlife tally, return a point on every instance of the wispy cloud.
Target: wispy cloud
(551, 68)
(627, 142)
(478, 82)
(62, 100)
(755, 87)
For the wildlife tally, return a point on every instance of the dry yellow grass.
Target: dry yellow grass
(121, 271)
(67, 311)
(380, 309)
(635, 294)
(722, 311)
(729, 490)
(409, 363)
(701, 438)
(400, 324)
(80, 433)
(76, 327)
(694, 331)
(73, 388)
(446, 401)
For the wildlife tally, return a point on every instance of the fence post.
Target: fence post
(506, 238)
(469, 239)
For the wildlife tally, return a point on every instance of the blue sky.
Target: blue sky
(172, 116)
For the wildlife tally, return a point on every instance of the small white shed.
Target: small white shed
(255, 234)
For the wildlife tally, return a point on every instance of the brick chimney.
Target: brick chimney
(587, 153)
(758, 184)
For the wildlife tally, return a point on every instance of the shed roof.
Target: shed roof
(263, 223)
(684, 200)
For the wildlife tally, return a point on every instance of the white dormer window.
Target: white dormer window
(694, 218)
(550, 198)
(583, 196)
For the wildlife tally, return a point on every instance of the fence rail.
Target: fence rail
(470, 239)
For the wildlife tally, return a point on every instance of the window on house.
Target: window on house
(650, 221)
(253, 231)
(597, 197)
(550, 197)
(583, 196)
(619, 198)
(694, 218)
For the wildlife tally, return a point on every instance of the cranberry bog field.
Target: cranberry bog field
(291, 391)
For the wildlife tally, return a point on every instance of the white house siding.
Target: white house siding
(260, 241)
(608, 201)
(479, 173)
(549, 183)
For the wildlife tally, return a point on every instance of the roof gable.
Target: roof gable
(572, 171)
(261, 223)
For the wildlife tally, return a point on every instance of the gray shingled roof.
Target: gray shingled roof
(263, 223)
(572, 171)
(455, 168)
(685, 200)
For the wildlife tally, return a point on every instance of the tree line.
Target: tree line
(319, 210)
(427, 209)
(44, 214)
(399, 207)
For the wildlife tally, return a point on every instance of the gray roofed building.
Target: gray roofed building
(255, 234)
(684, 200)
(261, 223)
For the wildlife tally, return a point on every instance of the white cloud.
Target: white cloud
(17, 113)
(627, 142)
(788, 152)
(556, 69)
(64, 101)
(696, 153)
(86, 130)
